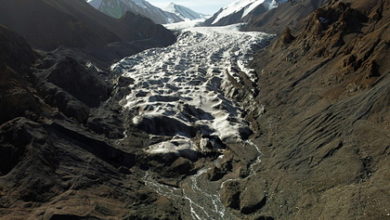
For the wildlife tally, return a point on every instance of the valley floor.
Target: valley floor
(185, 93)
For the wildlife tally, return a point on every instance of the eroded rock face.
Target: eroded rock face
(316, 160)
(16, 95)
(18, 101)
(17, 136)
(15, 52)
(55, 163)
(48, 156)
(80, 82)
(220, 170)
(289, 14)
(230, 194)
(252, 199)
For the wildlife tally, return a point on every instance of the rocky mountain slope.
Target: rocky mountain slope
(241, 11)
(325, 128)
(184, 12)
(51, 24)
(118, 8)
(291, 14)
(58, 157)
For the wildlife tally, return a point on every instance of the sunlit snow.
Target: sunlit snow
(236, 7)
(187, 82)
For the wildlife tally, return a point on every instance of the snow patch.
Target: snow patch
(247, 6)
(236, 7)
(95, 3)
(251, 7)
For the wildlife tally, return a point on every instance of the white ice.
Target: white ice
(184, 24)
(192, 73)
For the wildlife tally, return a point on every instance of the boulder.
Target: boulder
(252, 199)
(81, 82)
(230, 194)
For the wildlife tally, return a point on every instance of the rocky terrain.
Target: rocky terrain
(290, 14)
(57, 159)
(73, 24)
(324, 133)
(204, 128)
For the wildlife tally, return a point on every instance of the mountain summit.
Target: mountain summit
(184, 12)
(241, 11)
(117, 8)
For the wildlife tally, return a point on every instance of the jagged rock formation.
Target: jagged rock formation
(49, 24)
(118, 8)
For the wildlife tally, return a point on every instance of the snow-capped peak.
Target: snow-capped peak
(183, 12)
(117, 8)
(171, 6)
(95, 3)
(246, 6)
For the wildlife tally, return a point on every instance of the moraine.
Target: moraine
(184, 92)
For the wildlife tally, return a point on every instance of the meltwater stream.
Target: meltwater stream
(182, 91)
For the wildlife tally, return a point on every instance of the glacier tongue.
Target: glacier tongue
(181, 90)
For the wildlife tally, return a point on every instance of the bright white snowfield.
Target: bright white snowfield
(247, 6)
(238, 6)
(186, 86)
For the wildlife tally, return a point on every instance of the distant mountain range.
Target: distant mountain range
(242, 11)
(117, 8)
(184, 12)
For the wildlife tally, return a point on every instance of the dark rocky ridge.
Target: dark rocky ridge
(56, 151)
(50, 24)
